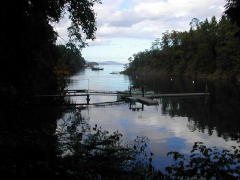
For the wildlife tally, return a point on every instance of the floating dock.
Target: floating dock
(149, 99)
(152, 96)
(146, 101)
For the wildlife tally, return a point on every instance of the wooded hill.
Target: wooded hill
(210, 49)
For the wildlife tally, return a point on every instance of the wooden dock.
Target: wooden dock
(152, 96)
(146, 101)
(149, 99)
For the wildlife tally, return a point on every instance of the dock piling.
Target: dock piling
(88, 99)
(143, 91)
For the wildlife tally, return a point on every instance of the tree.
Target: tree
(208, 49)
(194, 24)
(28, 37)
(233, 10)
(156, 45)
(206, 163)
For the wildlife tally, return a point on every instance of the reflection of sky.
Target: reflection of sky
(165, 133)
(101, 80)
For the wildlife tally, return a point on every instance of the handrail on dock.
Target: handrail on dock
(147, 99)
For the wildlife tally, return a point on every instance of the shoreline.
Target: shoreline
(144, 72)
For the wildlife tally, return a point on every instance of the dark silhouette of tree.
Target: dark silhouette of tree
(205, 163)
(233, 10)
(70, 59)
(28, 50)
(209, 49)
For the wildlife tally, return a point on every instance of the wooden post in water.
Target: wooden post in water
(130, 105)
(143, 91)
(130, 91)
(88, 99)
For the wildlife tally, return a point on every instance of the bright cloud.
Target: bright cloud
(144, 20)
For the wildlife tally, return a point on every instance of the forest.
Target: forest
(210, 49)
(45, 138)
(31, 59)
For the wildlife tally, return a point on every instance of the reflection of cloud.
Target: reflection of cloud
(165, 133)
(161, 130)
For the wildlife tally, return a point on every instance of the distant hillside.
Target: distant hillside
(110, 63)
(92, 63)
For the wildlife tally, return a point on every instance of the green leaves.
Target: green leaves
(206, 163)
(83, 20)
(92, 150)
(208, 49)
(233, 10)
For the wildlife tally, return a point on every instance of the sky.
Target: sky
(125, 27)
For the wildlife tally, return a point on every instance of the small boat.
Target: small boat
(114, 72)
(96, 68)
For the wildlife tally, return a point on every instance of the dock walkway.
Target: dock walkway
(149, 99)
(152, 96)
(146, 100)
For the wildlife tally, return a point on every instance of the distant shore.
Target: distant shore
(148, 72)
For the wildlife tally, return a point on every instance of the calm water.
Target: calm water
(176, 123)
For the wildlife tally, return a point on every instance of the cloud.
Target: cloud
(146, 18)
(99, 42)
(140, 20)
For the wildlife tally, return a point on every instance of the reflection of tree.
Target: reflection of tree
(167, 84)
(35, 146)
(220, 112)
(93, 152)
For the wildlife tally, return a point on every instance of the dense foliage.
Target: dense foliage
(208, 49)
(31, 147)
(69, 59)
(206, 163)
(28, 50)
(93, 153)
(233, 11)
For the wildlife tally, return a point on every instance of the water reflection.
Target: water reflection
(134, 106)
(100, 80)
(30, 135)
(56, 142)
(220, 112)
(176, 123)
(90, 152)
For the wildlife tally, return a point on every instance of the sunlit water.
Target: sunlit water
(174, 125)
